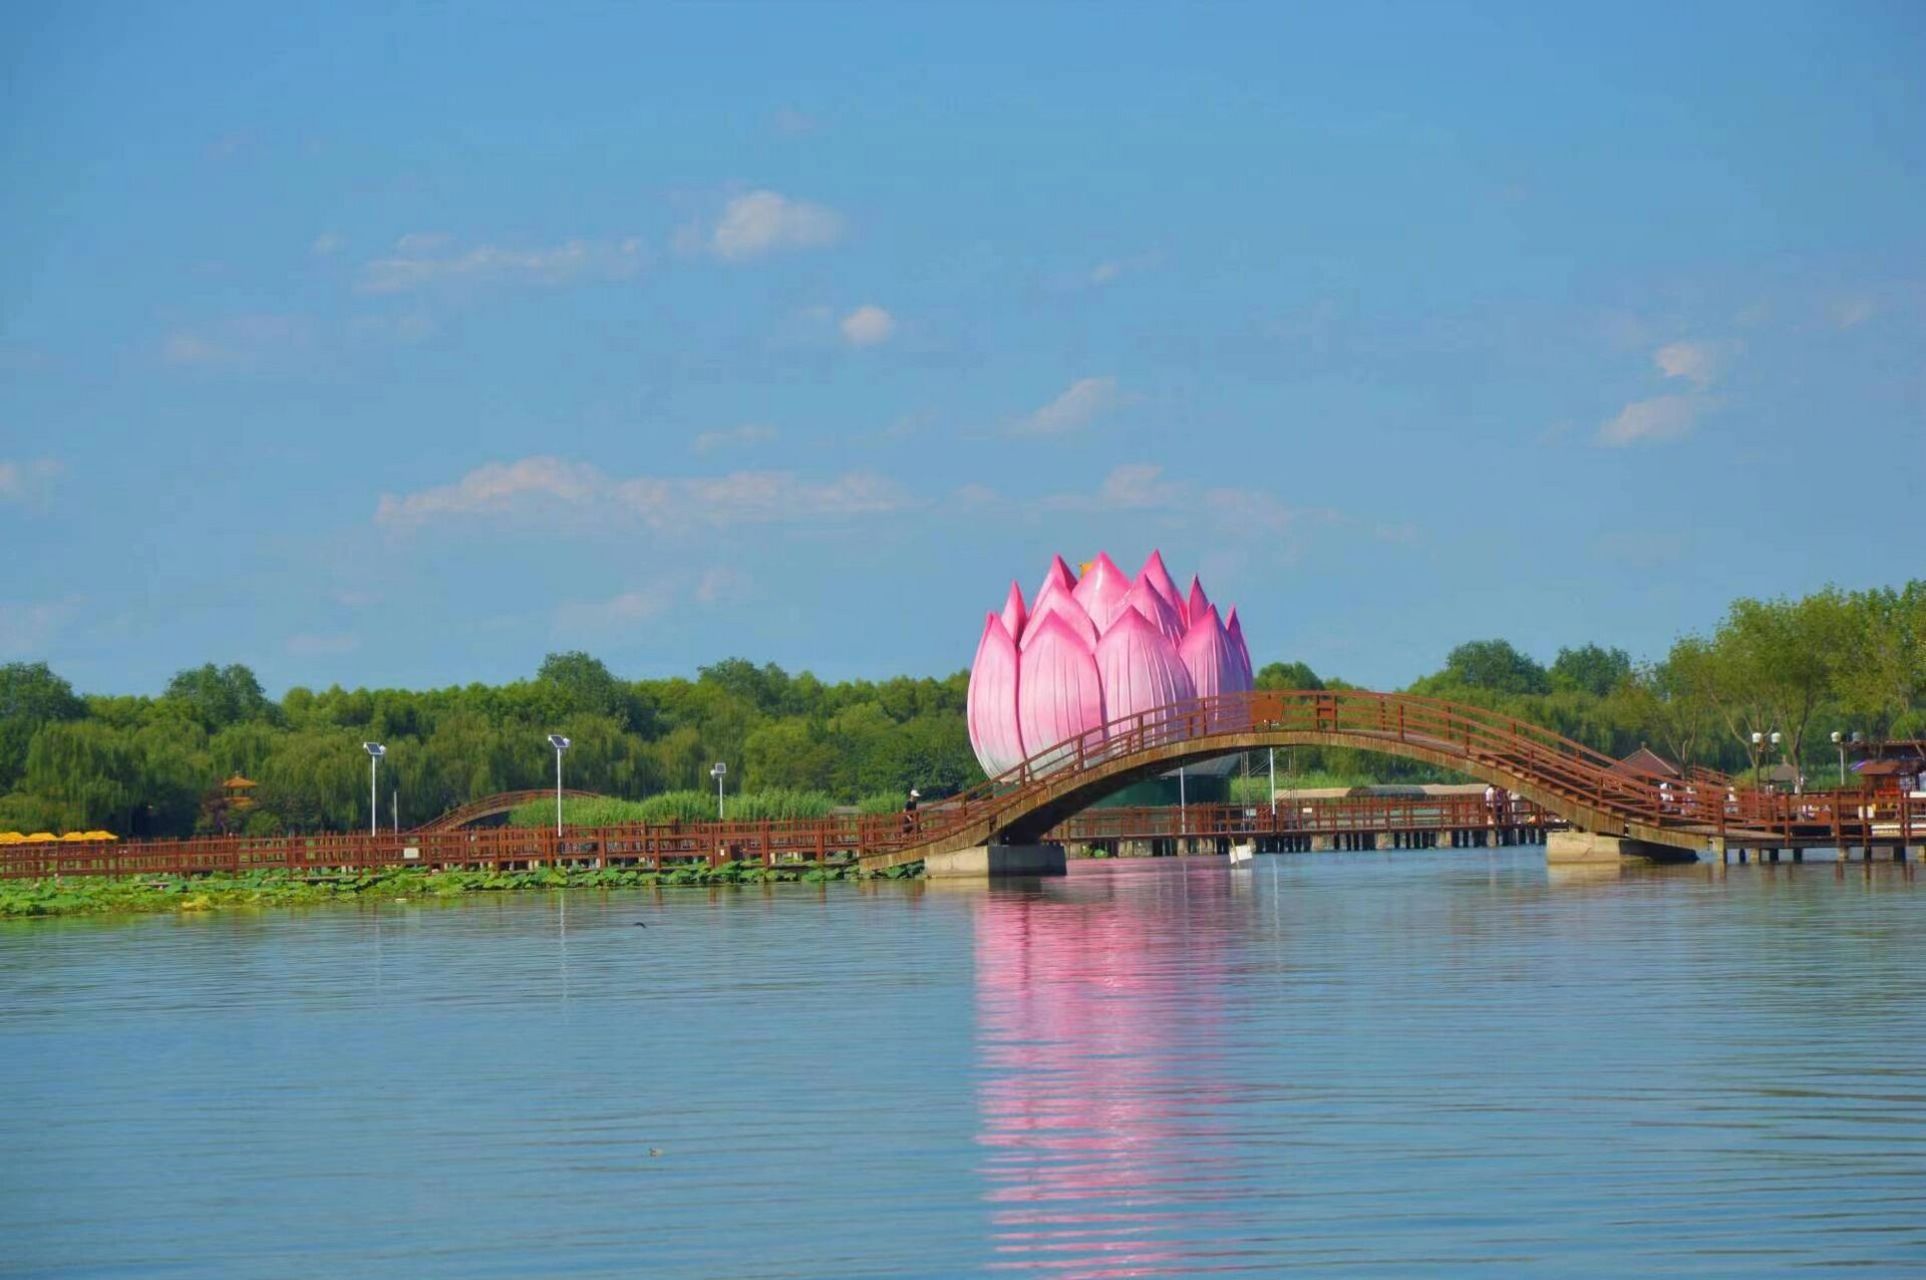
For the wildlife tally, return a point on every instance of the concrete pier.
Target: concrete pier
(997, 861)
(1567, 847)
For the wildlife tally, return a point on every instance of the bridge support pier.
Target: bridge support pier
(1566, 847)
(997, 862)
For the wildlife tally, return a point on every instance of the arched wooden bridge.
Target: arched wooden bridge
(496, 805)
(1588, 789)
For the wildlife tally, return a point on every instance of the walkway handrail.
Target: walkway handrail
(1477, 735)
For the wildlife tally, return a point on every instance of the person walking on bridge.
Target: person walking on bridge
(909, 811)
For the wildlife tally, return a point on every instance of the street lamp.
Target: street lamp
(560, 744)
(1839, 741)
(375, 751)
(1758, 749)
(720, 772)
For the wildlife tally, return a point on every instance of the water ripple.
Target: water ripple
(1439, 1064)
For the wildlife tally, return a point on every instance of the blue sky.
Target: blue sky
(383, 346)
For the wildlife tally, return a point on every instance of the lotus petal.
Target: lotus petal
(992, 702)
(1058, 574)
(1195, 606)
(1014, 612)
(1101, 592)
(1140, 668)
(1206, 652)
(1059, 693)
(1057, 602)
(1158, 577)
(1234, 629)
(1148, 601)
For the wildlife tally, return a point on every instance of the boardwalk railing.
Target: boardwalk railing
(1564, 779)
(666, 845)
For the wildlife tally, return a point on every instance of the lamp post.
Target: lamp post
(719, 772)
(1759, 741)
(1839, 741)
(560, 744)
(375, 751)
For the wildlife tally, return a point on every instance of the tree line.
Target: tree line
(1832, 661)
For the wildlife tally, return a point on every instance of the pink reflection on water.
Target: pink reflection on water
(1100, 1009)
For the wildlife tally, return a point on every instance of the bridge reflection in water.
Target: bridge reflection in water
(1105, 1090)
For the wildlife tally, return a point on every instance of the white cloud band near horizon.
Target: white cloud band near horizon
(554, 486)
(419, 262)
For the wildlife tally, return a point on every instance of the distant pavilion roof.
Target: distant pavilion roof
(1646, 761)
(238, 783)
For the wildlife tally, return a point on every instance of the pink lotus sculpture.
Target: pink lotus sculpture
(1087, 651)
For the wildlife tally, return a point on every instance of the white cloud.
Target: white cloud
(1850, 313)
(495, 489)
(751, 433)
(764, 221)
(326, 243)
(28, 481)
(27, 629)
(720, 585)
(1699, 362)
(867, 326)
(791, 123)
(619, 612)
(560, 490)
(189, 349)
(422, 242)
(416, 264)
(1105, 272)
(1143, 488)
(1660, 418)
(1672, 417)
(1080, 404)
(1685, 360)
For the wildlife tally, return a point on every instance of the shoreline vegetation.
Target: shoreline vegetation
(147, 895)
(1790, 684)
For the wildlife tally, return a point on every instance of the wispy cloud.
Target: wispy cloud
(1659, 418)
(1145, 488)
(558, 489)
(763, 222)
(328, 242)
(732, 437)
(28, 628)
(1700, 363)
(1080, 404)
(617, 612)
(720, 585)
(1672, 416)
(29, 481)
(423, 261)
(867, 326)
(190, 349)
(244, 340)
(792, 123)
(1850, 313)
(1112, 270)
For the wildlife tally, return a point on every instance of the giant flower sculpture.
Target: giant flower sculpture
(1087, 651)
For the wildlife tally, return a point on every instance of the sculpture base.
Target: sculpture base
(996, 862)
(1565, 847)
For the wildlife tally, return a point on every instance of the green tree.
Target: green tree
(1591, 669)
(31, 695)
(90, 770)
(220, 696)
(1286, 675)
(1491, 666)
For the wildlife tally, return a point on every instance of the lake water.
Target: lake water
(1413, 1064)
